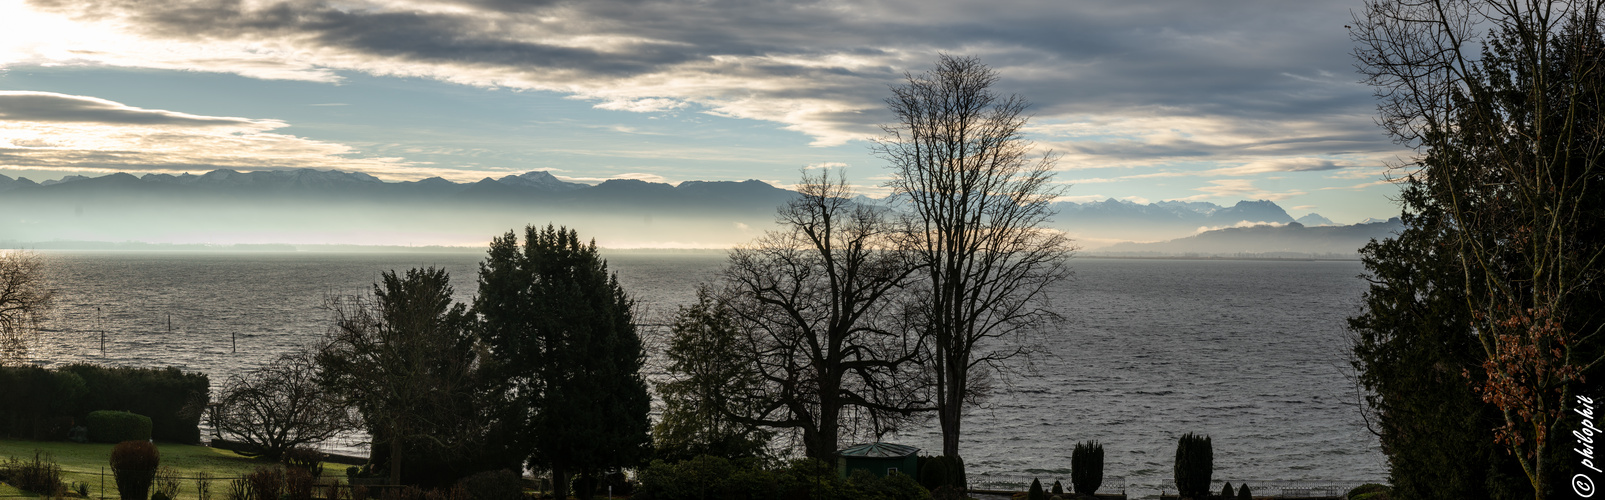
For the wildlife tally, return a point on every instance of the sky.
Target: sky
(1214, 101)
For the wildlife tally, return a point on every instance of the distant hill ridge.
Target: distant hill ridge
(292, 200)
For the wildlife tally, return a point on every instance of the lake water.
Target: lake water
(1253, 353)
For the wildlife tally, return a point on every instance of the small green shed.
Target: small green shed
(879, 459)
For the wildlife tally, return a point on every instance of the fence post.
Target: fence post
(102, 482)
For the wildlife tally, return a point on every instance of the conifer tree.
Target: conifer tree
(564, 332)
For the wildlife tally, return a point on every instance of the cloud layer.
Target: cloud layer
(817, 67)
(43, 130)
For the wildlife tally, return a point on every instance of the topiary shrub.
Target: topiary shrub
(1058, 489)
(117, 426)
(1227, 491)
(1035, 493)
(1195, 464)
(133, 464)
(1086, 467)
(1243, 493)
(493, 485)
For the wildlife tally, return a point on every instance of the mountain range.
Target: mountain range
(328, 206)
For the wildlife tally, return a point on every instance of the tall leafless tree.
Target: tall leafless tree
(1501, 99)
(818, 304)
(25, 302)
(974, 200)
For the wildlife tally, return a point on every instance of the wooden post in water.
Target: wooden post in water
(233, 338)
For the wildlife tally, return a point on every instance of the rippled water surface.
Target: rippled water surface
(1250, 352)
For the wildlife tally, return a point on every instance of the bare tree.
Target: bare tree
(25, 302)
(278, 407)
(818, 307)
(974, 202)
(1502, 101)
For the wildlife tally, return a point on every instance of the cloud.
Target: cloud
(817, 67)
(1241, 223)
(1238, 189)
(50, 131)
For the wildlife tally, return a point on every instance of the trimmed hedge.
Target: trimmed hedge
(44, 404)
(117, 426)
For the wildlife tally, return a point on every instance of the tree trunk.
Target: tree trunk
(560, 481)
(395, 458)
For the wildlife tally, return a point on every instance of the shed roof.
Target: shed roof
(879, 450)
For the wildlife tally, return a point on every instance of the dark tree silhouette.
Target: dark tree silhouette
(564, 330)
(25, 302)
(700, 416)
(278, 407)
(975, 203)
(405, 360)
(819, 306)
(1502, 102)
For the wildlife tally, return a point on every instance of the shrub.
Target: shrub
(173, 399)
(867, 485)
(305, 458)
(1226, 491)
(166, 482)
(1195, 464)
(298, 483)
(1058, 489)
(1086, 467)
(493, 485)
(941, 471)
(160, 496)
(118, 426)
(946, 492)
(239, 489)
(41, 475)
(203, 486)
(266, 483)
(134, 464)
(1035, 493)
(1243, 493)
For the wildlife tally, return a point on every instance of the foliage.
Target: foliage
(117, 426)
(565, 330)
(203, 486)
(278, 407)
(1502, 102)
(407, 361)
(26, 299)
(298, 483)
(1370, 491)
(819, 304)
(493, 485)
(941, 471)
(1086, 467)
(1058, 488)
(133, 464)
(265, 482)
(975, 203)
(1226, 491)
(40, 475)
(172, 398)
(305, 458)
(699, 415)
(1035, 491)
(895, 486)
(1195, 464)
(239, 489)
(40, 403)
(1243, 493)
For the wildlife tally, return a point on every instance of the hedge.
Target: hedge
(44, 404)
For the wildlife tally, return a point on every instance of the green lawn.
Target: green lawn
(84, 463)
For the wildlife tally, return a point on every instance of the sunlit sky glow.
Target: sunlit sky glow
(1147, 101)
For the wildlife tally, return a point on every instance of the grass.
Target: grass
(84, 462)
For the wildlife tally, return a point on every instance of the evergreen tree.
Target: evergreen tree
(699, 415)
(564, 331)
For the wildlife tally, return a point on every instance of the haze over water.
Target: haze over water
(1252, 353)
